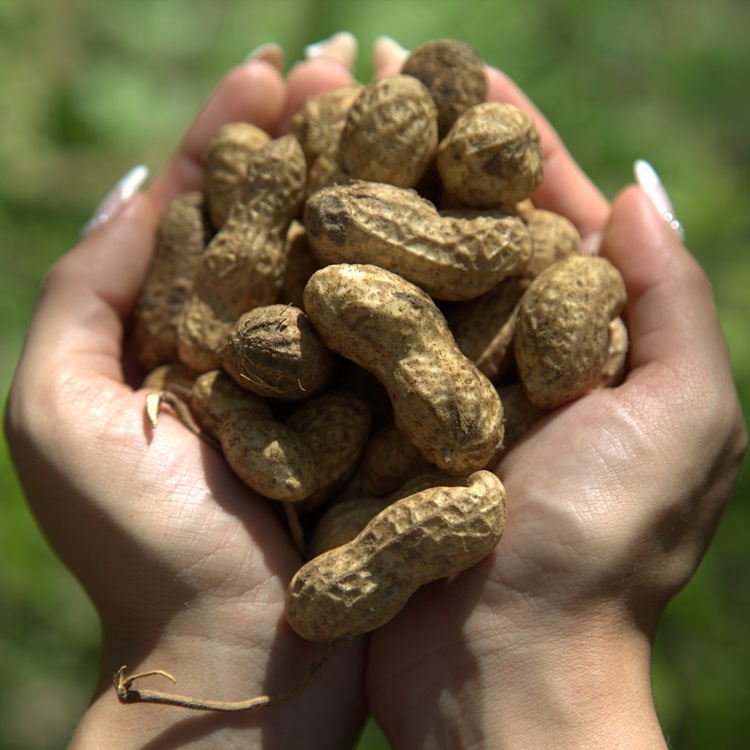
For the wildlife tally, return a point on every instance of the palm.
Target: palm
(550, 484)
(187, 548)
(209, 528)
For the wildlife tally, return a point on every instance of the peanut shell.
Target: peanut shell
(180, 242)
(492, 156)
(391, 328)
(449, 258)
(243, 266)
(431, 534)
(275, 352)
(227, 158)
(454, 75)
(391, 133)
(562, 333)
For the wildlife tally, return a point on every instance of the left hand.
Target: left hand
(185, 566)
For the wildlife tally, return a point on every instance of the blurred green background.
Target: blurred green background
(90, 88)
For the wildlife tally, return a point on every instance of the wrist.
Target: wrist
(585, 685)
(222, 667)
(589, 687)
(202, 669)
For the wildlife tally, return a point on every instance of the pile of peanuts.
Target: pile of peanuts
(365, 314)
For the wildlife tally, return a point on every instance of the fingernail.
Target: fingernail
(387, 52)
(651, 184)
(270, 53)
(120, 194)
(341, 47)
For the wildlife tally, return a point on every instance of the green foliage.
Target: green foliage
(91, 88)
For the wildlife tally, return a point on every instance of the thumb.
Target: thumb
(86, 296)
(670, 311)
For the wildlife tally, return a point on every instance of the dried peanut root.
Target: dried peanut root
(126, 693)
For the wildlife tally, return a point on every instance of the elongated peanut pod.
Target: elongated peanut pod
(243, 265)
(431, 534)
(268, 457)
(344, 520)
(397, 229)
(441, 401)
(180, 241)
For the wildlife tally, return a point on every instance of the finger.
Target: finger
(677, 345)
(328, 65)
(253, 92)
(388, 56)
(670, 310)
(78, 319)
(680, 382)
(565, 189)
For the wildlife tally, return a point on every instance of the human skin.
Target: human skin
(187, 567)
(612, 502)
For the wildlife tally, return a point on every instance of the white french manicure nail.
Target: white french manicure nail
(122, 192)
(342, 47)
(386, 51)
(270, 53)
(651, 184)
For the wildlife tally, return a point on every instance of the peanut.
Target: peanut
(343, 521)
(454, 75)
(215, 396)
(319, 126)
(352, 378)
(563, 330)
(300, 265)
(484, 327)
(613, 368)
(269, 457)
(227, 158)
(431, 534)
(181, 240)
(449, 258)
(243, 266)
(390, 327)
(553, 237)
(275, 352)
(335, 426)
(491, 157)
(266, 455)
(390, 134)
(388, 461)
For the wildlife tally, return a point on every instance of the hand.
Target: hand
(612, 501)
(186, 567)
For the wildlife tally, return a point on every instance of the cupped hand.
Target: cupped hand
(186, 567)
(612, 501)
